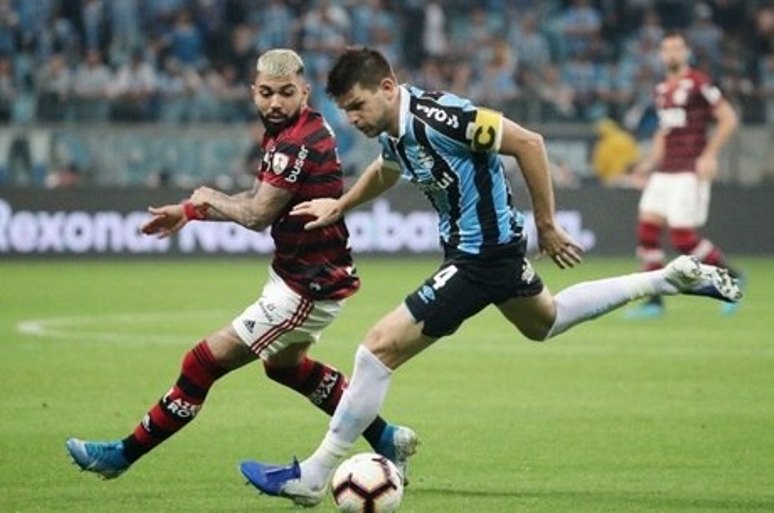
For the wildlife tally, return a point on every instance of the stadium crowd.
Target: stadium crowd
(183, 61)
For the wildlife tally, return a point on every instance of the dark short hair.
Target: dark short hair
(363, 66)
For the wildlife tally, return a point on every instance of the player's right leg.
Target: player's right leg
(394, 340)
(435, 309)
(324, 385)
(210, 359)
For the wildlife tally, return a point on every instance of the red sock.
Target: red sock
(649, 246)
(323, 386)
(687, 241)
(179, 406)
(320, 383)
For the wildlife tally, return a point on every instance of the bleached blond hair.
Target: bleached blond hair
(280, 62)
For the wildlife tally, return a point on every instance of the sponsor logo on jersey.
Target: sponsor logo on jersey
(527, 272)
(323, 391)
(427, 294)
(250, 325)
(438, 114)
(434, 185)
(680, 94)
(267, 309)
(145, 423)
(298, 165)
(279, 163)
(674, 117)
(180, 408)
(425, 159)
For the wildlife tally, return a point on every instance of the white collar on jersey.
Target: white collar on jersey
(405, 99)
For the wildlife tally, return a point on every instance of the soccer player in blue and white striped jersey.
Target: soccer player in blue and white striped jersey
(451, 149)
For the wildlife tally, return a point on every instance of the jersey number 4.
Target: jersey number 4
(444, 275)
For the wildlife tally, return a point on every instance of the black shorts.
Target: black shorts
(465, 284)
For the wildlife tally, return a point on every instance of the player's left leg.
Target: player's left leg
(324, 385)
(542, 316)
(651, 255)
(435, 309)
(651, 220)
(210, 359)
(395, 338)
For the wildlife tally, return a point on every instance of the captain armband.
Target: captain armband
(485, 132)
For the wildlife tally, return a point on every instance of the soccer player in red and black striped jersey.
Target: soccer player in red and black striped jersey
(311, 275)
(681, 166)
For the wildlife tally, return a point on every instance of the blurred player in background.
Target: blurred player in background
(450, 149)
(680, 168)
(311, 275)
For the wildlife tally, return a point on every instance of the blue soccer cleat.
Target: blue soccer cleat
(692, 277)
(398, 444)
(103, 458)
(281, 481)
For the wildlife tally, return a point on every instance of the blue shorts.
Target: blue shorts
(465, 284)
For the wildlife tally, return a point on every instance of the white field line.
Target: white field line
(82, 327)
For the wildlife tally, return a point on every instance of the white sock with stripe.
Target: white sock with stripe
(359, 406)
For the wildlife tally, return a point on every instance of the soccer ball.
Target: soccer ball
(367, 483)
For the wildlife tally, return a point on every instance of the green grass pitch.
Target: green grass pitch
(617, 416)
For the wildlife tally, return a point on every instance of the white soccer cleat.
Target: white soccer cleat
(691, 277)
(301, 494)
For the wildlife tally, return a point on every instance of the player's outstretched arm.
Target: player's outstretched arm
(375, 180)
(166, 220)
(529, 150)
(256, 210)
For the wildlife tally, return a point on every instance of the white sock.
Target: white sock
(359, 406)
(591, 299)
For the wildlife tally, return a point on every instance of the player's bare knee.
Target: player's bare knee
(381, 343)
(377, 339)
(228, 350)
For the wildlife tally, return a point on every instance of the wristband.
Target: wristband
(192, 213)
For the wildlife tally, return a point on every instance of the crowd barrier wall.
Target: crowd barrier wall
(78, 222)
(134, 156)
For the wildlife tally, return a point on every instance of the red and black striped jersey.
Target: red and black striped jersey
(302, 158)
(685, 105)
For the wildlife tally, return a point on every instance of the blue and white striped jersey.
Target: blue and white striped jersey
(448, 148)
